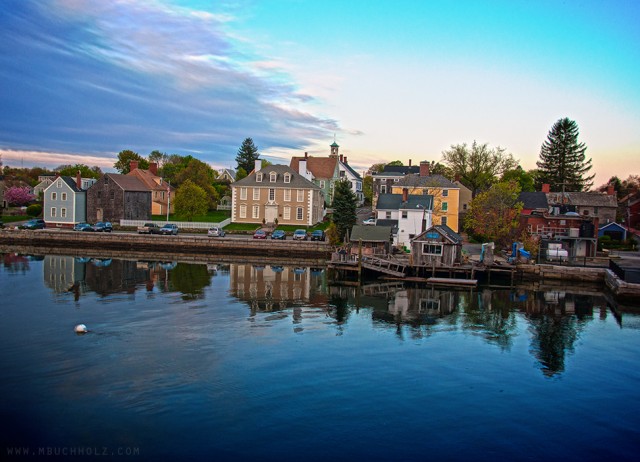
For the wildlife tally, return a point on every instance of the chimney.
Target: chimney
(341, 158)
(405, 194)
(153, 168)
(257, 165)
(424, 168)
(79, 180)
(545, 188)
(611, 190)
(302, 167)
(345, 159)
(456, 178)
(133, 164)
(306, 154)
(409, 162)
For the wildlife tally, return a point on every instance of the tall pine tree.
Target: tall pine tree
(247, 155)
(562, 163)
(344, 207)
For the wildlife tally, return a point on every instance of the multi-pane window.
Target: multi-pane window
(300, 195)
(445, 192)
(445, 206)
(286, 213)
(272, 177)
(388, 215)
(404, 214)
(112, 195)
(287, 178)
(256, 211)
(54, 196)
(63, 212)
(443, 221)
(322, 183)
(243, 211)
(256, 194)
(272, 194)
(299, 213)
(287, 195)
(243, 194)
(432, 249)
(259, 177)
(64, 196)
(383, 189)
(53, 211)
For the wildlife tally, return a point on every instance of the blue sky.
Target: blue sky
(81, 80)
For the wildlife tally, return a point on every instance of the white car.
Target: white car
(369, 222)
(215, 232)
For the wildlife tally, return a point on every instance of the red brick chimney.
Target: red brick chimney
(424, 168)
(611, 189)
(341, 158)
(133, 164)
(409, 162)
(153, 168)
(546, 188)
(79, 180)
(457, 177)
(306, 154)
(345, 159)
(405, 194)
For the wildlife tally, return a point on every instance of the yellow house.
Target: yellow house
(446, 194)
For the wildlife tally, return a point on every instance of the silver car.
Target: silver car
(215, 231)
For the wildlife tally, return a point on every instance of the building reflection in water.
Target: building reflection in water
(555, 319)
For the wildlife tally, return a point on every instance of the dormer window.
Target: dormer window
(272, 177)
(287, 178)
(259, 177)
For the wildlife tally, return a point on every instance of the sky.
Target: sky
(81, 80)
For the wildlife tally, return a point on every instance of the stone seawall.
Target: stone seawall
(138, 243)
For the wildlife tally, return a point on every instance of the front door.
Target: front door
(99, 214)
(270, 213)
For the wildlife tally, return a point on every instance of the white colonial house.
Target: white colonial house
(408, 215)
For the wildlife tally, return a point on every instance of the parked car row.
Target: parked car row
(99, 227)
(298, 235)
(36, 223)
(153, 228)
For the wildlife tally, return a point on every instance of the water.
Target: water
(237, 362)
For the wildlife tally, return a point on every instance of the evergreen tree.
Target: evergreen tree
(562, 163)
(247, 155)
(344, 207)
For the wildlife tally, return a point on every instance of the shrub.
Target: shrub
(34, 210)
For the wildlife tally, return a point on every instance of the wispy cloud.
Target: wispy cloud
(93, 76)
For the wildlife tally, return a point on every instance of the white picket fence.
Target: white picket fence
(181, 224)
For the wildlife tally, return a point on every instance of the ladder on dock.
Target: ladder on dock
(381, 265)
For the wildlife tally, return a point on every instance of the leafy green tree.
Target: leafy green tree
(395, 163)
(124, 159)
(160, 158)
(191, 200)
(344, 207)
(85, 171)
(478, 167)
(376, 168)
(520, 176)
(241, 173)
(367, 188)
(563, 164)
(247, 155)
(494, 215)
(201, 174)
(332, 234)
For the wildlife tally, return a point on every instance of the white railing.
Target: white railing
(181, 224)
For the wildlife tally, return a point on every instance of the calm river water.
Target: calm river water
(242, 362)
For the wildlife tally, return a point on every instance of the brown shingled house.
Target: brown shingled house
(117, 197)
(162, 194)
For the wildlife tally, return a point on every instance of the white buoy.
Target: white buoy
(80, 329)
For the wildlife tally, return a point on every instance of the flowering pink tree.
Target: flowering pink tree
(16, 195)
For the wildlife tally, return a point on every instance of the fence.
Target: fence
(181, 224)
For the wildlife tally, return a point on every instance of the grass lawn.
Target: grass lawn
(213, 216)
(13, 218)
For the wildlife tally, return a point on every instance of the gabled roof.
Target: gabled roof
(395, 202)
(352, 171)
(533, 200)
(297, 180)
(444, 231)
(126, 182)
(228, 171)
(69, 181)
(320, 167)
(153, 182)
(370, 233)
(589, 199)
(613, 225)
(429, 181)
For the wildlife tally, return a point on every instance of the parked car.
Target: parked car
(369, 222)
(82, 227)
(149, 228)
(317, 235)
(279, 234)
(36, 223)
(215, 231)
(169, 229)
(260, 234)
(299, 235)
(102, 227)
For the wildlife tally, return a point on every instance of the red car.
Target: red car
(259, 234)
